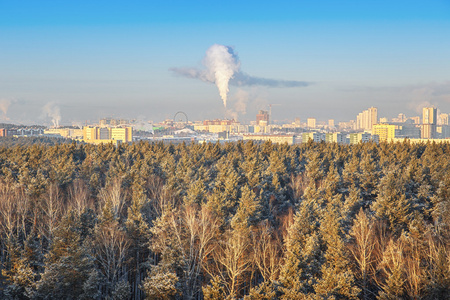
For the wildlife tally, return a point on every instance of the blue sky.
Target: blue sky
(94, 59)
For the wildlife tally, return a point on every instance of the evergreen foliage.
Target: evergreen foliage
(232, 221)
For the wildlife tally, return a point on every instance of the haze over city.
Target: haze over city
(82, 61)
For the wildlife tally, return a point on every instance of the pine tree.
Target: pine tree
(302, 259)
(337, 279)
(69, 267)
(391, 203)
(138, 233)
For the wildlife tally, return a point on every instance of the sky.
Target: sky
(86, 60)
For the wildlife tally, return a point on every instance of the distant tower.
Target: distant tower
(366, 119)
(311, 122)
(263, 115)
(429, 121)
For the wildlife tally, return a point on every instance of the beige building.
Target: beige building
(443, 119)
(429, 122)
(65, 132)
(366, 119)
(311, 122)
(424, 141)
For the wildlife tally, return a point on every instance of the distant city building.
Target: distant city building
(443, 131)
(331, 123)
(314, 136)
(65, 132)
(297, 122)
(443, 119)
(3, 132)
(401, 118)
(366, 119)
(429, 122)
(217, 126)
(112, 122)
(262, 118)
(311, 123)
(336, 137)
(411, 131)
(347, 125)
(25, 131)
(107, 134)
(416, 119)
(385, 132)
(281, 139)
(356, 138)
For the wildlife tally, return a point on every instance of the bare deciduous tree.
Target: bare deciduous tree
(267, 249)
(79, 197)
(363, 248)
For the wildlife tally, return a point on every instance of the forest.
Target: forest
(225, 221)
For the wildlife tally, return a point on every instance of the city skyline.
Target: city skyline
(85, 61)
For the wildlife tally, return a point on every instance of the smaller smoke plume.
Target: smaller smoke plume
(52, 110)
(4, 106)
(222, 67)
(239, 104)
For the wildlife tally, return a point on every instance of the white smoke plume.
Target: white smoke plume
(223, 68)
(222, 64)
(4, 106)
(52, 110)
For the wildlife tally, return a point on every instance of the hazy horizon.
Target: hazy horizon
(325, 59)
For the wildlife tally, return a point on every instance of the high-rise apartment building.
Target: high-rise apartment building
(366, 119)
(443, 119)
(429, 121)
(262, 118)
(311, 122)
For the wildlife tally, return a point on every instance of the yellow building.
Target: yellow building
(201, 127)
(122, 134)
(90, 133)
(385, 132)
(216, 128)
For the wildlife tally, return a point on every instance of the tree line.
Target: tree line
(225, 221)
